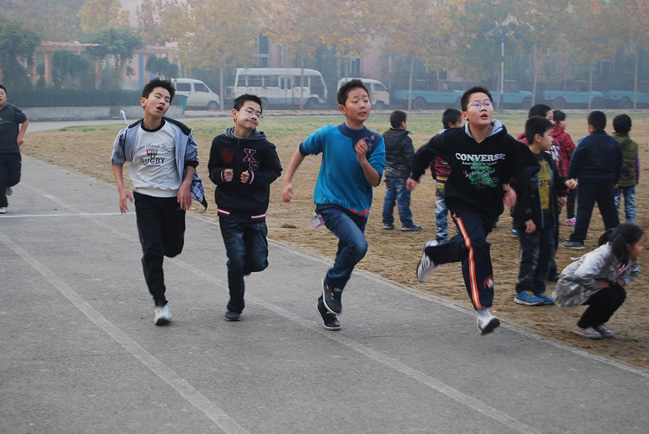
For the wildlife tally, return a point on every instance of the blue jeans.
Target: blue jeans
(629, 202)
(395, 189)
(352, 245)
(537, 251)
(441, 214)
(247, 250)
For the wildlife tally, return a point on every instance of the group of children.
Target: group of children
(486, 170)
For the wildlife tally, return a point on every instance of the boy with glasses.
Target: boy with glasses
(483, 160)
(243, 164)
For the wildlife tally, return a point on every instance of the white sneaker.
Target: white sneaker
(426, 266)
(162, 315)
(9, 191)
(3, 210)
(486, 321)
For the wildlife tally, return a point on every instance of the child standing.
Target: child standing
(597, 279)
(163, 157)
(451, 118)
(398, 159)
(536, 216)
(353, 159)
(483, 160)
(243, 164)
(630, 170)
(566, 147)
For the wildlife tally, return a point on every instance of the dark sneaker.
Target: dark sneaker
(575, 245)
(604, 331)
(332, 298)
(162, 315)
(9, 191)
(486, 321)
(528, 298)
(329, 320)
(426, 266)
(388, 227)
(545, 297)
(589, 333)
(232, 316)
(412, 228)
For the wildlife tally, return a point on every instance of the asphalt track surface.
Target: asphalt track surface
(79, 352)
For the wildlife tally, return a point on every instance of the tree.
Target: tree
(410, 30)
(149, 22)
(120, 43)
(16, 43)
(211, 33)
(296, 26)
(52, 20)
(70, 68)
(97, 15)
(161, 67)
(635, 15)
(603, 38)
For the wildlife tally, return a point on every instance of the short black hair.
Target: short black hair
(158, 82)
(2, 86)
(344, 90)
(536, 125)
(558, 116)
(622, 123)
(539, 110)
(397, 117)
(451, 116)
(464, 101)
(241, 100)
(597, 120)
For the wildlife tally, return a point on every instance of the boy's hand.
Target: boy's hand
(529, 226)
(563, 201)
(124, 195)
(184, 196)
(411, 184)
(245, 176)
(361, 149)
(571, 184)
(287, 193)
(228, 174)
(510, 196)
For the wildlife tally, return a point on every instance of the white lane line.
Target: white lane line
(168, 375)
(81, 214)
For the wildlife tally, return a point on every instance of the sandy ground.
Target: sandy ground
(393, 255)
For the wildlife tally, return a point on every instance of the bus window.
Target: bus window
(271, 81)
(255, 81)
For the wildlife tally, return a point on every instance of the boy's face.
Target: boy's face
(157, 104)
(248, 116)
(458, 124)
(479, 111)
(357, 107)
(545, 141)
(3, 98)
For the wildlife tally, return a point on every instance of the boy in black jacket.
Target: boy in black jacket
(536, 215)
(483, 160)
(243, 164)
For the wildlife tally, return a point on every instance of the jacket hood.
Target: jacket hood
(497, 128)
(255, 135)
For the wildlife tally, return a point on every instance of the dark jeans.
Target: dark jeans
(537, 250)
(161, 225)
(601, 193)
(470, 247)
(602, 305)
(570, 203)
(10, 165)
(352, 246)
(247, 249)
(395, 190)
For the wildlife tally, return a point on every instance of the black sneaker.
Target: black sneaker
(331, 298)
(232, 316)
(329, 320)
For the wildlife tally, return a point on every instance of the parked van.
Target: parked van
(379, 94)
(199, 96)
(279, 87)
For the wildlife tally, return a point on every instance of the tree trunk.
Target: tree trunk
(590, 87)
(301, 82)
(412, 72)
(635, 78)
(221, 88)
(534, 76)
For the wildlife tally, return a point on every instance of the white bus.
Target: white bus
(279, 87)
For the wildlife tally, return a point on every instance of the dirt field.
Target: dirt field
(394, 254)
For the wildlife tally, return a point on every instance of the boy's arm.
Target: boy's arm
(421, 161)
(296, 160)
(21, 133)
(124, 194)
(371, 174)
(184, 192)
(217, 172)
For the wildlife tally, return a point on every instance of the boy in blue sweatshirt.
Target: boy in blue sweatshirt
(353, 159)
